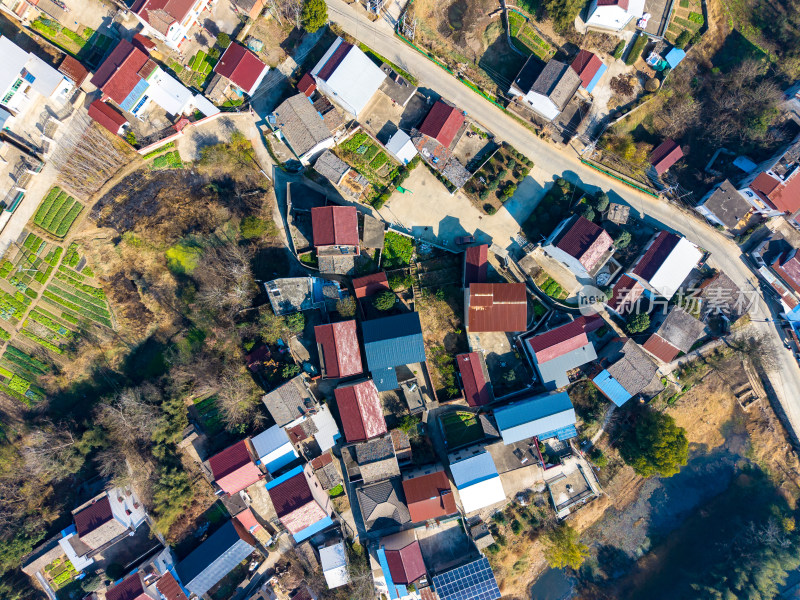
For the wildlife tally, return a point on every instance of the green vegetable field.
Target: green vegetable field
(57, 212)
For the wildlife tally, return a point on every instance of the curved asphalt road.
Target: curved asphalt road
(552, 162)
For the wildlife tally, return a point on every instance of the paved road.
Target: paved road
(552, 162)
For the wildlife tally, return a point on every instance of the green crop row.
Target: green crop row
(69, 318)
(46, 213)
(74, 295)
(42, 342)
(6, 373)
(19, 384)
(41, 276)
(12, 306)
(47, 321)
(71, 258)
(88, 289)
(33, 243)
(81, 310)
(6, 268)
(157, 151)
(15, 355)
(70, 273)
(63, 227)
(78, 301)
(4, 335)
(52, 257)
(171, 160)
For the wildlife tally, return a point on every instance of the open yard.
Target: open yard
(461, 428)
(364, 154)
(497, 179)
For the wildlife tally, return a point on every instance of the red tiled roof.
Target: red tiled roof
(240, 65)
(625, 294)
(93, 516)
(788, 267)
(476, 264)
(334, 226)
(370, 285)
(442, 122)
(160, 14)
(322, 461)
(623, 4)
(247, 519)
(476, 389)
(787, 196)
(661, 348)
(497, 307)
(302, 594)
(585, 242)
(429, 497)
(586, 65)
(334, 61)
(406, 565)
(144, 43)
(74, 70)
(169, 587)
(307, 85)
(656, 254)
(234, 469)
(119, 73)
(107, 116)
(566, 338)
(129, 588)
(341, 355)
(665, 155)
(290, 495)
(428, 594)
(360, 411)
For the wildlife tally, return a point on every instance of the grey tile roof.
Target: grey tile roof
(289, 401)
(328, 476)
(374, 232)
(300, 124)
(720, 295)
(528, 74)
(727, 204)
(558, 82)
(634, 370)
(383, 504)
(331, 167)
(377, 460)
(681, 329)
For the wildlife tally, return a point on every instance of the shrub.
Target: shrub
(252, 228)
(378, 203)
(623, 239)
(484, 195)
(289, 371)
(397, 250)
(296, 322)
(115, 571)
(638, 323)
(601, 201)
(696, 18)
(696, 38)
(637, 49)
(346, 307)
(683, 39)
(509, 190)
(130, 137)
(384, 300)
(511, 164)
(588, 212)
(598, 458)
(489, 209)
(655, 446)
(562, 548)
(223, 40)
(516, 527)
(619, 49)
(314, 15)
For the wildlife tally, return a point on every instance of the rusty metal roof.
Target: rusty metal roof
(497, 307)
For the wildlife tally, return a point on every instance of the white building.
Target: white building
(347, 77)
(167, 20)
(274, 449)
(334, 565)
(614, 14)
(666, 263)
(23, 78)
(476, 478)
(401, 147)
(547, 91)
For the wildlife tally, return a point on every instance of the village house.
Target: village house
(252, 9)
(628, 371)
(241, 68)
(474, 379)
(336, 241)
(401, 147)
(402, 565)
(580, 245)
(360, 411)
(338, 349)
(476, 479)
(665, 263)
(382, 504)
(391, 342)
(546, 91)
(274, 449)
(676, 334)
(476, 264)
(376, 459)
(217, 556)
(442, 123)
(543, 417)
(613, 15)
(333, 559)
(625, 295)
(169, 20)
(774, 187)
(501, 307)
(589, 68)
(779, 265)
(347, 77)
(108, 117)
(666, 154)
(298, 124)
(235, 469)
(301, 504)
(556, 352)
(428, 494)
(290, 401)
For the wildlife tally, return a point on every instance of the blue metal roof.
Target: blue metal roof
(472, 470)
(603, 68)
(612, 388)
(385, 379)
(312, 529)
(213, 559)
(137, 92)
(285, 477)
(536, 416)
(393, 341)
(674, 57)
(565, 433)
(270, 440)
(395, 590)
(473, 581)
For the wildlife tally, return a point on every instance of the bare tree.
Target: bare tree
(50, 452)
(132, 415)
(226, 284)
(238, 400)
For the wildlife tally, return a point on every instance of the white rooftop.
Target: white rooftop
(477, 481)
(676, 268)
(401, 146)
(334, 565)
(169, 93)
(14, 59)
(354, 80)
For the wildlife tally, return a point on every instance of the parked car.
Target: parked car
(465, 239)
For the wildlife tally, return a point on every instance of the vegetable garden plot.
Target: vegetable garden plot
(57, 212)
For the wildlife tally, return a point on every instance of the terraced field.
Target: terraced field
(57, 212)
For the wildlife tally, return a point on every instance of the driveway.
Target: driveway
(552, 162)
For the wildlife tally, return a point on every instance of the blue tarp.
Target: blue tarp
(600, 72)
(674, 57)
(612, 388)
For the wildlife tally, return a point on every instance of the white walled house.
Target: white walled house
(169, 20)
(546, 92)
(614, 14)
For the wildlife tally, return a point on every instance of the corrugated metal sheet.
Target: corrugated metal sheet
(497, 307)
(393, 341)
(290, 492)
(129, 588)
(661, 348)
(563, 339)
(477, 391)
(370, 285)
(442, 123)
(473, 469)
(534, 416)
(406, 564)
(334, 226)
(360, 411)
(476, 264)
(93, 516)
(584, 241)
(341, 355)
(625, 294)
(554, 372)
(655, 255)
(612, 389)
(233, 468)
